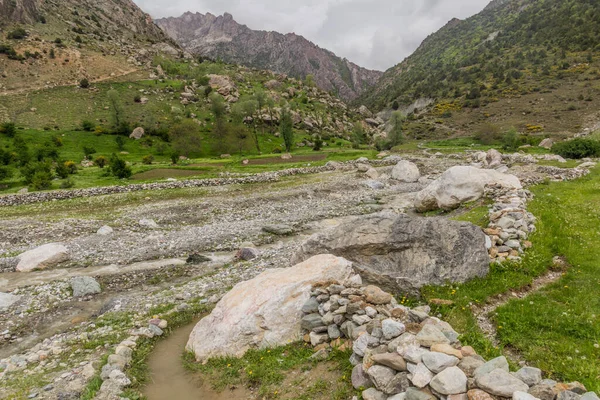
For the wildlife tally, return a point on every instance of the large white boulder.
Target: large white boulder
(42, 257)
(459, 185)
(265, 311)
(405, 171)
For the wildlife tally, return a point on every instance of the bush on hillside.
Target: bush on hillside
(149, 159)
(38, 175)
(119, 167)
(577, 148)
(88, 151)
(18, 33)
(84, 83)
(511, 140)
(87, 126)
(5, 173)
(100, 161)
(9, 129)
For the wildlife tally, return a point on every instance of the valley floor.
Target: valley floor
(50, 338)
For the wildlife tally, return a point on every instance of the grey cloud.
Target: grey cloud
(372, 33)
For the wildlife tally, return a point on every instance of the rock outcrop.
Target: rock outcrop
(401, 253)
(264, 311)
(459, 185)
(221, 37)
(42, 257)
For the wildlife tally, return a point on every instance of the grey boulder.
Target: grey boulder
(84, 286)
(402, 253)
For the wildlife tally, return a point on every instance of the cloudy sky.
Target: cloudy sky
(372, 33)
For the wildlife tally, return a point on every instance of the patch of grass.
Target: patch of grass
(557, 327)
(90, 390)
(477, 214)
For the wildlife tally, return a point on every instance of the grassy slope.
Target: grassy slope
(558, 327)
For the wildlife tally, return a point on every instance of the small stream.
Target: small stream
(169, 380)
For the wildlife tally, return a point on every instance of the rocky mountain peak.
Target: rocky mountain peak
(221, 37)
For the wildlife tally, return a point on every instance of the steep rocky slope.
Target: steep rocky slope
(67, 40)
(223, 38)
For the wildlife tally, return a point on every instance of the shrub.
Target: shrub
(18, 33)
(41, 180)
(88, 151)
(119, 167)
(148, 159)
(5, 173)
(101, 161)
(175, 157)
(61, 170)
(120, 142)
(57, 141)
(511, 140)
(577, 148)
(84, 83)
(395, 105)
(9, 129)
(488, 134)
(137, 98)
(71, 167)
(318, 144)
(87, 126)
(67, 184)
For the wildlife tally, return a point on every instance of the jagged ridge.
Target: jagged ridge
(223, 38)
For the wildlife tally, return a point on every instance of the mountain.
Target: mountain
(518, 63)
(223, 38)
(57, 42)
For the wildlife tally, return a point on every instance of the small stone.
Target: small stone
(421, 376)
(155, 330)
(247, 254)
(496, 363)
(477, 394)
(437, 362)
(500, 383)
(375, 295)
(542, 392)
(311, 306)
(360, 379)
(381, 376)
(450, 381)
(590, 396)
(531, 376)
(469, 364)
(468, 351)
(431, 335)
(392, 329)
(523, 396)
(416, 394)
(311, 321)
(391, 360)
(568, 395)
(373, 394)
(447, 349)
(105, 231)
(361, 344)
(316, 339)
(148, 223)
(333, 332)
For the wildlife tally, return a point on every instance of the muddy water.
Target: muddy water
(169, 380)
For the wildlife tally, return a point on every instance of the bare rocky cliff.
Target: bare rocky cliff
(221, 37)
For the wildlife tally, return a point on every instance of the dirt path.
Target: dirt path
(484, 313)
(170, 380)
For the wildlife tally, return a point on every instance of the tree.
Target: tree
(9, 129)
(359, 135)
(120, 140)
(116, 108)
(310, 80)
(119, 167)
(5, 173)
(510, 140)
(219, 131)
(286, 127)
(84, 83)
(247, 109)
(186, 139)
(88, 151)
(396, 136)
(87, 126)
(100, 161)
